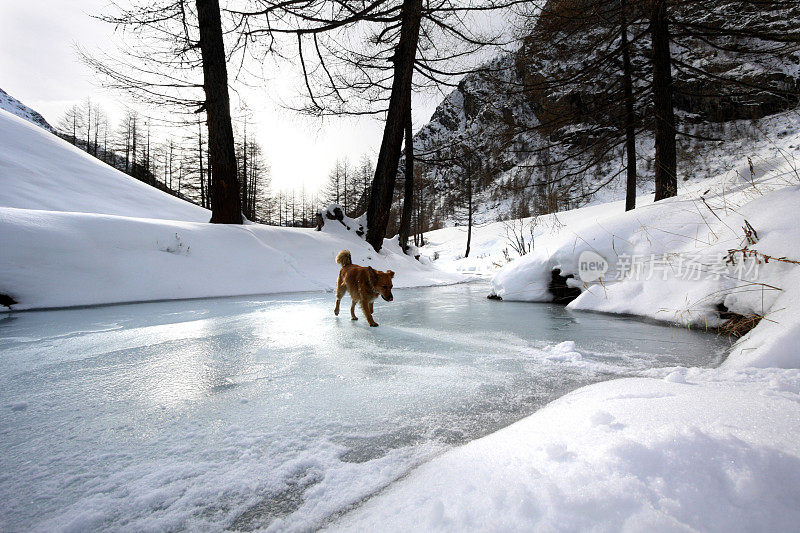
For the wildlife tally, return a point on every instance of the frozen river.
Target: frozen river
(269, 412)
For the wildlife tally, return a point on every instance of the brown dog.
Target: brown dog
(364, 284)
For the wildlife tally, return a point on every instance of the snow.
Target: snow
(625, 455)
(680, 247)
(39, 171)
(75, 231)
(699, 226)
(18, 406)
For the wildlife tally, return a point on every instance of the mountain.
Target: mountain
(536, 147)
(15, 107)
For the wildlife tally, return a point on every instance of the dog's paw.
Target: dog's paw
(373, 325)
(336, 312)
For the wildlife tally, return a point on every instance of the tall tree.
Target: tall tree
(666, 163)
(408, 186)
(382, 191)
(227, 207)
(176, 50)
(630, 117)
(89, 116)
(71, 122)
(396, 39)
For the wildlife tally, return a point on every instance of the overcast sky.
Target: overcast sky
(39, 66)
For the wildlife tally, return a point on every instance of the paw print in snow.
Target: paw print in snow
(178, 247)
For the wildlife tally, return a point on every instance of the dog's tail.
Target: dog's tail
(344, 259)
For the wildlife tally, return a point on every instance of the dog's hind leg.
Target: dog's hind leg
(353, 310)
(340, 288)
(368, 313)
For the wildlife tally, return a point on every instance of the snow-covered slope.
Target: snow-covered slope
(14, 106)
(74, 231)
(40, 171)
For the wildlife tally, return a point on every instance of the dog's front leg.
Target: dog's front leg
(368, 313)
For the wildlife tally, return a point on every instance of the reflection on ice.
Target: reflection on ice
(248, 413)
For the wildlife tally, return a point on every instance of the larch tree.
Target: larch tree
(175, 56)
(408, 185)
(666, 159)
(602, 72)
(71, 123)
(363, 58)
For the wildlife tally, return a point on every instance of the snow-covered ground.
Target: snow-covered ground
(704, 454)
(74, 231)
(772, 141)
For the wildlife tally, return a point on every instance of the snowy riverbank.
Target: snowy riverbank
(681, 449)
(697, 450)
(75, 231)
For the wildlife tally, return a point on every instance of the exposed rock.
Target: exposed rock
(15, 107)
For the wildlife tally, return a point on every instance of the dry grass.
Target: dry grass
(739, 325)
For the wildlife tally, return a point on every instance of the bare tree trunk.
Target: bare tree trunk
(88, 125)
(128, 145)
(344, 187)
(469, 208)
(147, 159)
(245, 197)
(253, 190)
(666, 158)
(202, 171)
(380, 200)
(105, 143)
(168, 173)
(96, 129)
(408, 192)
(630, 126)
(134, 136)
(226, 205)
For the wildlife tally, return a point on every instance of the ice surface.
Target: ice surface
(251, 413)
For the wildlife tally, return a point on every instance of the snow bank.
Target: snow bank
(667, 260)
(74, 231)
(633, 454)
(671, 260)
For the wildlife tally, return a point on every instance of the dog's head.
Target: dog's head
(382, 283)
